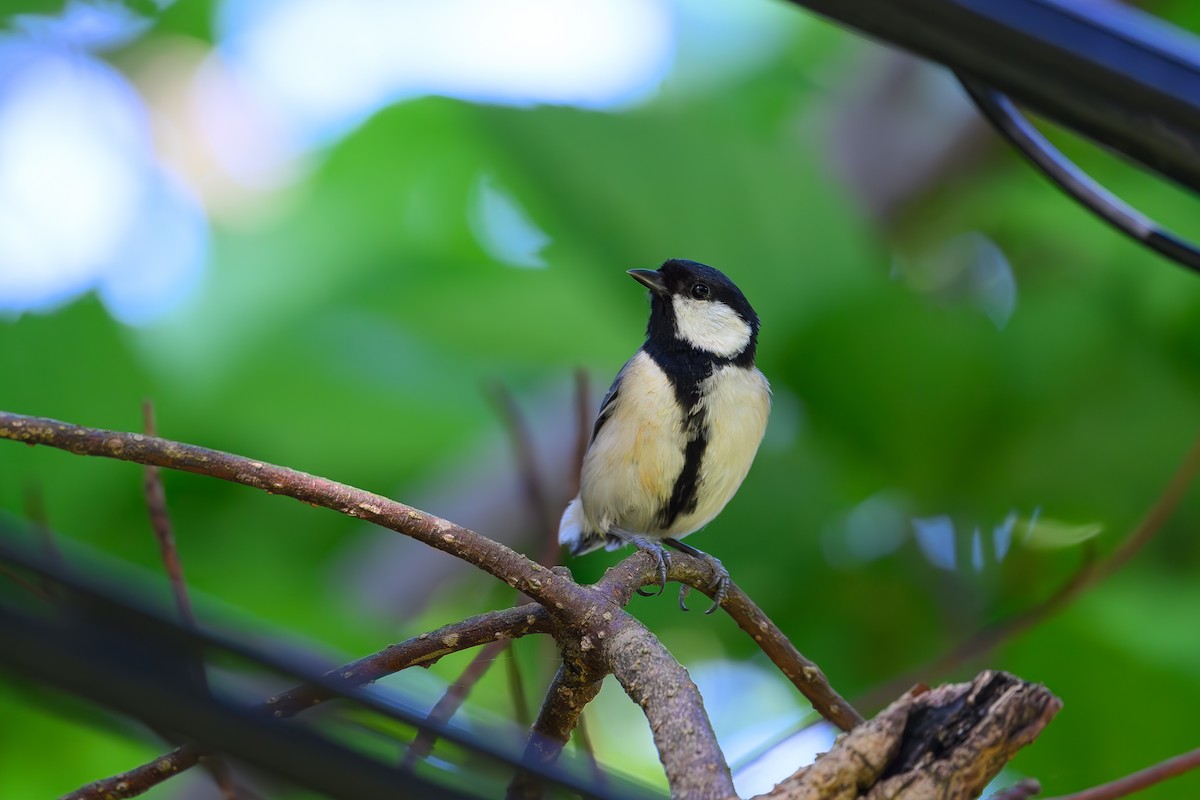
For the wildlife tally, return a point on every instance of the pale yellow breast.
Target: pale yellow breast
(631, 466)
(737, 402)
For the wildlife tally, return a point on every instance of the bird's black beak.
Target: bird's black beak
(652, 279)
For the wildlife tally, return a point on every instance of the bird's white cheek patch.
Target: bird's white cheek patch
(711, 326)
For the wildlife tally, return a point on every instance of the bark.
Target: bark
(940, 744)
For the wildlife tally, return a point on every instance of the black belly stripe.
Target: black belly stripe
(684, 493)
(686, 370)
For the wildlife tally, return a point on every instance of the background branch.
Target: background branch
(160, 522)
(1021, 790)
(423, 650)
(453, 698)
(1142, 779)
(534, 494)
(1089, 574)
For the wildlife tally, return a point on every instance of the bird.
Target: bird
(679, 427)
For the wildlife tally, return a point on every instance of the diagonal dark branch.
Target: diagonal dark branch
(422, 650)
(1116, 74)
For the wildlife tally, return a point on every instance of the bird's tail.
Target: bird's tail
(573, 533)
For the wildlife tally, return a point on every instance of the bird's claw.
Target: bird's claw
(720, 584)
(720, 589)
(661, 556)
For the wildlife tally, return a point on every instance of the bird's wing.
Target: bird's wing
(608, 403)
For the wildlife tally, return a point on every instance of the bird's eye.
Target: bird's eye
(700, 291)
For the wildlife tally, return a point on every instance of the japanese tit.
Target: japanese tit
(679, 427)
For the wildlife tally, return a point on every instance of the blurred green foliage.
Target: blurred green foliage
(350, 332)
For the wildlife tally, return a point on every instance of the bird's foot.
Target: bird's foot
(655, 548)
(720, 584)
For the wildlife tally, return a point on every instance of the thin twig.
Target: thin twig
(452, 700)
(584, 740)
(1021, 790)
(41, 592)
(160, 521)
(516, 688)
(1088, 575)
(1135, 782)
(35, 509)
(535, 501)
(532, 487)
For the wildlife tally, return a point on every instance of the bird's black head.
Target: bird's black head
(695, 307)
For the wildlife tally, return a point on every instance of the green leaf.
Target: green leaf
(1052, 534)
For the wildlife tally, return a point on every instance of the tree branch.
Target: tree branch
(640, 570)
(593, 627)
(569, 692)
(948, 742)
(683, 735)
(552, 591)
